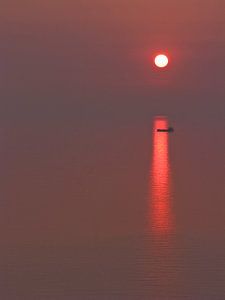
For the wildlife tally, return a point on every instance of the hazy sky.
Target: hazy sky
(95, 55)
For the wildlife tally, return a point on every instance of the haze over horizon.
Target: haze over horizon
(95, 57)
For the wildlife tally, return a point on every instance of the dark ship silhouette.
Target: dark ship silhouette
(170, 129)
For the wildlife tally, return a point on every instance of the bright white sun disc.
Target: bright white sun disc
(161, 61)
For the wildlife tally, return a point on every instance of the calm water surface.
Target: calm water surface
(120, 212)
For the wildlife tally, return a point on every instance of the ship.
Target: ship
(170, 129)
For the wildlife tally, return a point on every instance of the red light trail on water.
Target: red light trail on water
(161, 215)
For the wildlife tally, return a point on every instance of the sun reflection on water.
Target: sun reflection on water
(161, 215)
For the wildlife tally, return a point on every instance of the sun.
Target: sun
(161, 61)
